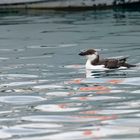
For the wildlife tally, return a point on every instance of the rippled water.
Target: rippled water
(45, 92)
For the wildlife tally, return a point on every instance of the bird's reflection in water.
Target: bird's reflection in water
(106, 73)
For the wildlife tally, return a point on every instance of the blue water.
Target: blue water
(45, 91)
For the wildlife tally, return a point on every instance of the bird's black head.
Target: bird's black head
(88, 52)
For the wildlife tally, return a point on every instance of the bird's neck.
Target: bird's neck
(95, 61)
(92, 62)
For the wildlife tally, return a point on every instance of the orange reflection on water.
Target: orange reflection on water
(87, 133)
(98, 117)
(94, 112)
(98, 89)
(115, 81)
(83, 98)
(90, 112)
(75, 81)
(62, 105)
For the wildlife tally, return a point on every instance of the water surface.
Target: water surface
(45, 91)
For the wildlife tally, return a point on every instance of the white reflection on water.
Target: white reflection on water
(4, 135)
(56, 108)
(96, 133)
(20, 100)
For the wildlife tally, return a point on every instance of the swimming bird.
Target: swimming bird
(94, 61)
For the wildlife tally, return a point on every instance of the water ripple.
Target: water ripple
(4, 135)
(56, 108)
(58, 118)
(20, 100)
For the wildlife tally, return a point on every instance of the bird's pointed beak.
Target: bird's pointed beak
(82, 54)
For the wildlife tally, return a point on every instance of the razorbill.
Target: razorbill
(94, 61)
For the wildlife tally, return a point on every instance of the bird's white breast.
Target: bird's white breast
(94, 67)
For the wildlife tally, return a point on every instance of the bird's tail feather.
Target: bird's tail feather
(128, 65)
